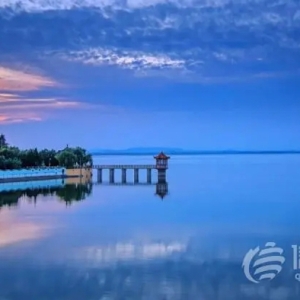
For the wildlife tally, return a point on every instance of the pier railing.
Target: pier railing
(124, 167)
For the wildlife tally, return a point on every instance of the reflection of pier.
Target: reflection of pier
(161, 188)
(161, 166)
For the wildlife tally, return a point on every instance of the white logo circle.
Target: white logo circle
(263, 264)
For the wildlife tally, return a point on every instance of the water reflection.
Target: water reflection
(74, 192)
(122, 245)
(68, 193)
(13, 230)
(129, 251)
(162, 189)
(158, 280)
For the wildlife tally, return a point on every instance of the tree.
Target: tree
(2, 162)
(9, 152)
(3, 141)
(70, 157)
(13, 163)
(47, 157)
(66, 158)
(30, 158)
(82, 157)
(14, 158)
(9, 158)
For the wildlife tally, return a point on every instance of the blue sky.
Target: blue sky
(196, 74)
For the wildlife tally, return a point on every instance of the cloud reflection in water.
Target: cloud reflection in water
(129, 251)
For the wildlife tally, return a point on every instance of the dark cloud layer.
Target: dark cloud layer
(204, 39)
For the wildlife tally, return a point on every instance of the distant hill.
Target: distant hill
(179, 151)
(137, 151)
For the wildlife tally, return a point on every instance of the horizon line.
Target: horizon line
(129, 151)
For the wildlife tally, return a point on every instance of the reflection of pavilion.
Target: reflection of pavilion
(161, 189)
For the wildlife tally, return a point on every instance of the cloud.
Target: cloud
(200, 38)
(125, 59)
(17, 80)
(17, 118)
(17, 107)
(44, 5)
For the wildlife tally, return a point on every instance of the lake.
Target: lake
(203, 240)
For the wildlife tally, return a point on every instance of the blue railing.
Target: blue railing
(23, 173)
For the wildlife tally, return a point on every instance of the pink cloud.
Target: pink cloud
(16, 108)
(14, 80)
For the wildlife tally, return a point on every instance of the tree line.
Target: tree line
(12, 157)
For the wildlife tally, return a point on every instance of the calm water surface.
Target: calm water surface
(89, 242)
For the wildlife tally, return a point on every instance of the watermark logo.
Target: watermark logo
(296, 259)
(263, 264)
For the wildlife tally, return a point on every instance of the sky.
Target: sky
(115, 74)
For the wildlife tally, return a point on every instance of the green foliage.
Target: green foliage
(12, 163)
(30, 158)
(66, 158)
(10, 158)
(74, 157)
(82, 157)
(9, 152)
(48, 157)
(14, 158)
(3, 142)
(2, 162)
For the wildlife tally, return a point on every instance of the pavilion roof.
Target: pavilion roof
(161, 155)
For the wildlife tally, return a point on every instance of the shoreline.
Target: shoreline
(36, 178)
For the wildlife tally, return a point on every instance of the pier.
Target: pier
(135, 169)
(161, 166)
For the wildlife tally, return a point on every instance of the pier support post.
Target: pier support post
(149, 176)
(136, 175)
(111, 175)
(99, 175)
(123, 175)
(161, 176)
